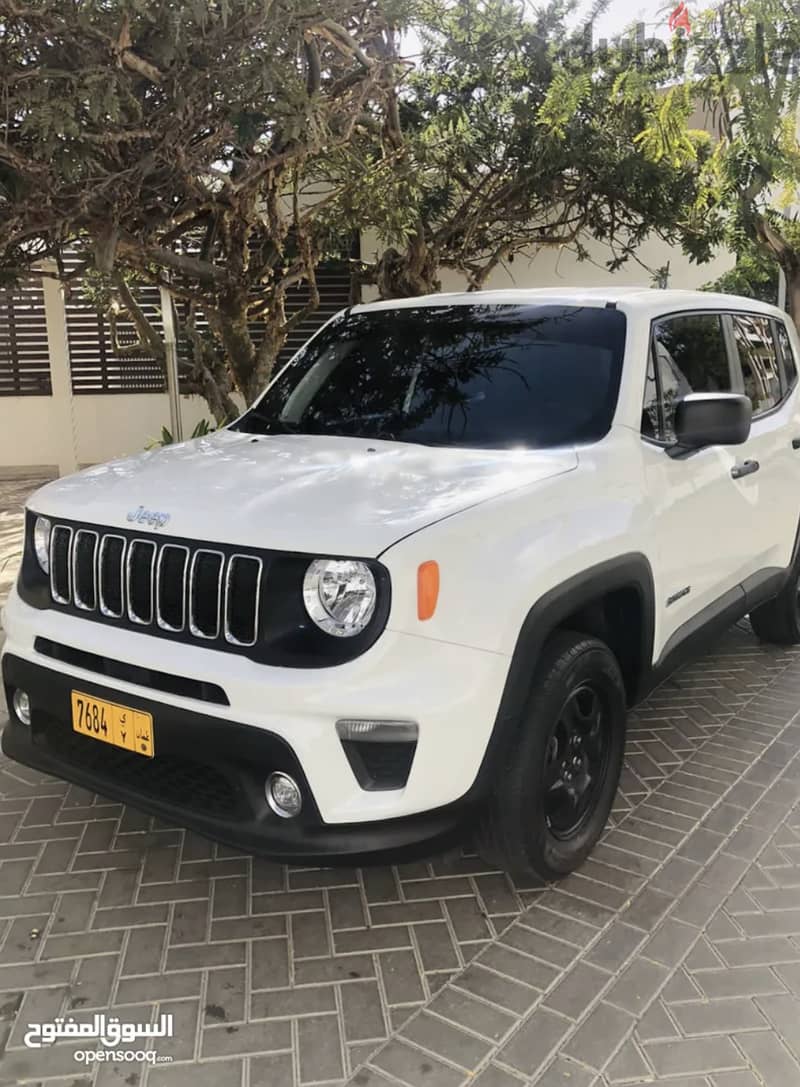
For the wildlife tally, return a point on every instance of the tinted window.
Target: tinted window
(758, 360)
(787, 354)
(688, 355)
(454, 375)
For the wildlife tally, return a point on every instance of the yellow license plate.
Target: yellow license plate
(112, 724)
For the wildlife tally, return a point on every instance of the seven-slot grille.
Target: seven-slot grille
(180, 589)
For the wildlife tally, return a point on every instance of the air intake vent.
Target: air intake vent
(84, 552)
(111, 576)
(242, 593)
(171, 572)
(60, 579)
(141, 562)
(205, 593)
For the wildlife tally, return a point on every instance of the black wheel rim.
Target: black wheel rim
(576, 761)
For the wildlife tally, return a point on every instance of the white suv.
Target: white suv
(413, 590)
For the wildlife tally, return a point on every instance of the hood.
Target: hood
(323, 495)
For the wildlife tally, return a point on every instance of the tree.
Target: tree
(509, 136)
(745, 70)
(199, 146)
(755, 275)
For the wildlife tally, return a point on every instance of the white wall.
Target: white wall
(104, 427)
(56, 434)
(561, 268)
(112, 425)
(29, 435)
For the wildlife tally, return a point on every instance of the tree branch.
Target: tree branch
(192, 267)
(336, 34)
(149, 340)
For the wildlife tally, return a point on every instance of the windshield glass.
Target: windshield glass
(482, 375)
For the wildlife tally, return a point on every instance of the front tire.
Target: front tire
(778, 621)
(554, 789)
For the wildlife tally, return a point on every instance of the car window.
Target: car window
(787, 354)
(688, 355)
(492, 376)
(759, 361)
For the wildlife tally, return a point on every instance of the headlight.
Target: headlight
(41, 542)
(339, 595)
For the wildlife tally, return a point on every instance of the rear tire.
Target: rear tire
(778, 620)
(556, 782)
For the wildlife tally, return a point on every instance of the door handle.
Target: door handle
(745, 469)
(795, 443)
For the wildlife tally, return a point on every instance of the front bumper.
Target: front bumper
(452, 691)
(208, 775)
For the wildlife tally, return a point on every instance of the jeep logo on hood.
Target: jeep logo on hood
(141, 516)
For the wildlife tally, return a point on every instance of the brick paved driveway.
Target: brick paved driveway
(673, 957)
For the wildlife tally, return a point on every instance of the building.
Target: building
(66, 399)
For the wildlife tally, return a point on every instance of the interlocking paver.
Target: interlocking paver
(599, 1036)
(673, 956)
(535, 1040)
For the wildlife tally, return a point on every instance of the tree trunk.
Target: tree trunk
(773, 242)
(793, 292)
(210, 375)
(268, 351)
(231, 331)
(413, 272)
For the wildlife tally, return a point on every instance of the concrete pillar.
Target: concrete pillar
(61, 416)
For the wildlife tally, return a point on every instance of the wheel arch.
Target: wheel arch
(581, 603)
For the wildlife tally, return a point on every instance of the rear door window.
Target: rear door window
(759, 361)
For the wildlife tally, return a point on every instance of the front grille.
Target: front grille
(170, 587)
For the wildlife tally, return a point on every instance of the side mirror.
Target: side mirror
(711, 419)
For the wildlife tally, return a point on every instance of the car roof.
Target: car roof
(642, 299)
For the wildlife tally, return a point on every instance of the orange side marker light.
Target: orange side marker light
(427, 589)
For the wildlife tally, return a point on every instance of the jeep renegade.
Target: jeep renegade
(415, 587)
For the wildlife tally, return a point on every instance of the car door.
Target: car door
(702, 527)
(768, 466)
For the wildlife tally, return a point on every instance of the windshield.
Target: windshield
(480, 376)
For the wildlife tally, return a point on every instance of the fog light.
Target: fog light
(283, 795)
(22, 706)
